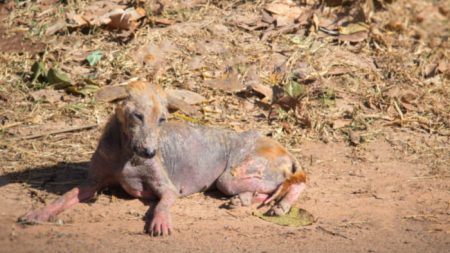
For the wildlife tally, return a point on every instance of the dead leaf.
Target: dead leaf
(56, 27)
(125, 19)
(353, 28)
(187, 96)
(178, 104)
(218, 30)
(75, 20)
(3, 96)
(284, 13)
(49, 95)
(266, 17)
(229, 82)
(443, 66)
(354, 138)
(340, 123)
(430, 70)
(264, 90)
(286, 102)
(355, 32)
(337, 70)
(408, 107)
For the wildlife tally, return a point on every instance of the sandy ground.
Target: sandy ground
(370, 199)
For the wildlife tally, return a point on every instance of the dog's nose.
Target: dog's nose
(150, 153)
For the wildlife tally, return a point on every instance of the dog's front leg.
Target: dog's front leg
(159, 183)
(161, 222)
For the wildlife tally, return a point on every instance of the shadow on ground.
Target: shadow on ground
(63, 176)
(57, 179)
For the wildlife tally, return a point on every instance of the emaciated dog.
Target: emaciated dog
(152, 158)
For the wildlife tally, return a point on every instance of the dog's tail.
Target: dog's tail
(298, 177)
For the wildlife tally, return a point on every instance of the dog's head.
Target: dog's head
(141, 109)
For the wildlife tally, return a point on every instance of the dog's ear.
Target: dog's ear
(112, 94)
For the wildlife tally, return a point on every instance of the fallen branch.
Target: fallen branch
(59, 131)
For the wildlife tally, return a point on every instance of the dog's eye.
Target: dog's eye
(162, 119)
(138, 116)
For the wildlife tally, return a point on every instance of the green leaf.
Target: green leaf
(295, 218)
(294, 89)
(329, 97)
(94, 57)
(39, 69)
(58, 79)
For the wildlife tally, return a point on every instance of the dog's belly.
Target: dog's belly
(135, 188)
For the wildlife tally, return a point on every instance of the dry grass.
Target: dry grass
(396, 79)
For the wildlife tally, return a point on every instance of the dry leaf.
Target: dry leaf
(178, 104)
(340, 123)
(430, 70)
(353, 28)
(75, 20)
(187, 96)
(50, 95)
(266, 17)
(264, 90)
(125, 19)
(56, 27)
(123, 22)
(229, 82)
(354, 32)
(443, 67)
(284, 13)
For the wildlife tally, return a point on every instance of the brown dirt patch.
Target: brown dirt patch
(371, 201)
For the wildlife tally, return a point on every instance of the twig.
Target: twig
(333, 233)
(375, 116)
(10, 125)
(59, 131)
(429, 177)
(400, 113)
(232, 215)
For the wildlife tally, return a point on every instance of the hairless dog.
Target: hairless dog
(155, 159)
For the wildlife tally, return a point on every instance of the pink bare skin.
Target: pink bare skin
(69, 199)
(154, 159)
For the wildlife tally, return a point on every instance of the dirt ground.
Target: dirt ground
(367, 113)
